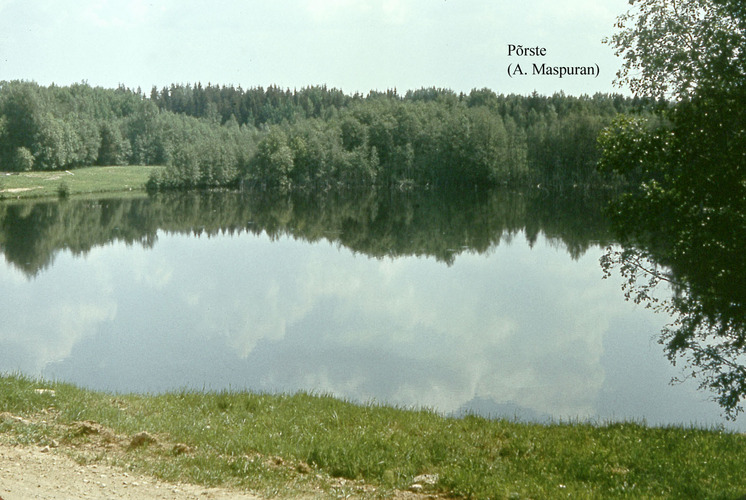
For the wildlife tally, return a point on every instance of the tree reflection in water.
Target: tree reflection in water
(693, 268)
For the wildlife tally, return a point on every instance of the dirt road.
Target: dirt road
(30, 473)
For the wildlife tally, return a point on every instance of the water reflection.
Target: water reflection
(471, 307)
(439, 225)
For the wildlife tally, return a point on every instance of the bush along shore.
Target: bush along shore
(285, 445)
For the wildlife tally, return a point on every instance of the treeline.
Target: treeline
(312, 138)
(321, 138)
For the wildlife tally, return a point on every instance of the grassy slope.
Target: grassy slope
(276, 444)
(78, 181)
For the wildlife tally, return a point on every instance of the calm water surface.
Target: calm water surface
(494, 305)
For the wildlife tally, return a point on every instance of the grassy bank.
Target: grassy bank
(280, 445)
(74, 182)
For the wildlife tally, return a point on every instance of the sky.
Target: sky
(353, 45)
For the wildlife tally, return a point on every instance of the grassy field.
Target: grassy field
(278, 445)
(74, 182)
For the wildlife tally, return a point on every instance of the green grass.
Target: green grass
(74, 182)
(299, 444)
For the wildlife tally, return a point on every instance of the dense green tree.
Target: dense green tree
(21, 115)
(685, 207)
(115, 148)
(273, 163)
(22, 160)
(49, 145)
(354, 133)
(671, 48)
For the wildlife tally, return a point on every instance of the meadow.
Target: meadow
(62, 183)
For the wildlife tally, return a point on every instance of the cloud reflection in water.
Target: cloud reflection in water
(520, 330)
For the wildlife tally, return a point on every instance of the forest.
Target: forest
(313, 138)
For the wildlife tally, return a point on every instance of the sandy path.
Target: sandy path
(29, 473)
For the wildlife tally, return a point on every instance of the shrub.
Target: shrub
(23, 160)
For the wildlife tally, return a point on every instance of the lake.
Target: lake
(491, 303)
